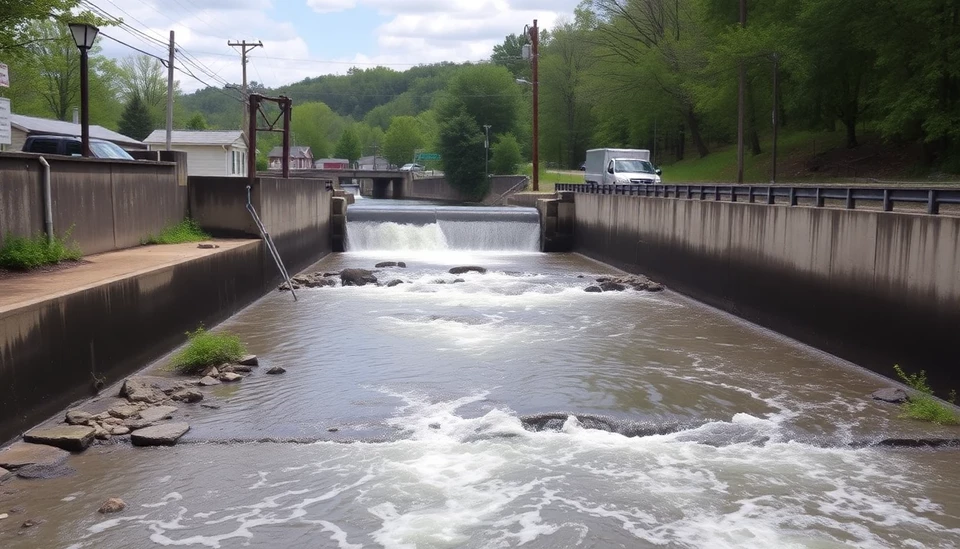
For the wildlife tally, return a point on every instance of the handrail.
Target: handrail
(780, 194)
(512, 190)
(270, 245)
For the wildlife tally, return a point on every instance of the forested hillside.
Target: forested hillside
(657, 74)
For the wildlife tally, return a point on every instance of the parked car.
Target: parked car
(411, 168)
(583, 166)
(71, 146)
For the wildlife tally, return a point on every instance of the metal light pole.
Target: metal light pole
(486, 148)
(84, 36)
(535, 41)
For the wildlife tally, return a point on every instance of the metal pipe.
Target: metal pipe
(47, 201)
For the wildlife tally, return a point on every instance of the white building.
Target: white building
(209, 152)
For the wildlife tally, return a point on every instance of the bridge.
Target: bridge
(385, 183)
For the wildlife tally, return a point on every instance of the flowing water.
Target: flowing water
(510, 409)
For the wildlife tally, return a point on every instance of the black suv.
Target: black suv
(70, 146)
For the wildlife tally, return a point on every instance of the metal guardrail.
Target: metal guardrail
(933, 198)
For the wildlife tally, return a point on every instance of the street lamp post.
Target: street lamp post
(84, 36)
(534, 34)
(486, 148)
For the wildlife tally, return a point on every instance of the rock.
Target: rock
(401, 264)
(119, 430)
(187, 395)
(325, 275)
(78, 417)
(612, 287)
(357, 277)
(210, 405)
(159, 435)
(580, 276)
(20, 454)
(29, 523)
(73, 438)
(142, 389)
(248, 360)
(438, 281)
(384, 264)
(593, 289)
(124, 411)
(467, 269)
(112, 421)
(4, 475)
(207, 246)
(45, 471)
(891, 394)
(434, 425)
(654, 287)
(332, 430)
(458, 281)
(393, 283)
(603, 279)
(101, 433)
(230, 377)
(209, 381)
(276, 370)
(240, 369)
(210, 371)
(302, 279)
(284, 288)
(134, 424)
(155, 414)
(112, 505)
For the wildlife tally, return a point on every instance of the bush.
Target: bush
(185, 231)
(506, 155)
(923, 405)
(22, 253)
(207, 349)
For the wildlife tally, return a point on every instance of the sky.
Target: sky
(307, 38)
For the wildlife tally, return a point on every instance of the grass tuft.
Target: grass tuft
(207, 349)
(25, 253)
(923, 405)
(185, 231)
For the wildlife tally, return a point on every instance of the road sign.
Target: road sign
(5, 134)
(428, 156)
(4, 76)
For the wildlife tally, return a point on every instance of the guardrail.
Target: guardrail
(933, 198)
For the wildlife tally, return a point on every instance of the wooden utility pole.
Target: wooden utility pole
(535, 42)
(170, 93)
(776, 112)
(740, 99)
(245, 48)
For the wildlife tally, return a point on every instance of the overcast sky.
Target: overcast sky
(304, 38)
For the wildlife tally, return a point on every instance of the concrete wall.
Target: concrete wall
(109, 204)
(51, 352)
(437, 188)
(296, 213)
(875, 288)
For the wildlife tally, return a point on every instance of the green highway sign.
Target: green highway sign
(428, 156)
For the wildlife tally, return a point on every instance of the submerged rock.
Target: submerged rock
(891, 394)
(209, 381)
(230, 377)
(155, 414)
(159, 435)
(357, 277)
(112, 505)
(467, 269)
(276, 370)
(249, 360)
(20, 454)
(393, 283)
(385, 264)
(593, 289)
(73, 438)
(612, 287)
(45, 471)
(187, 395)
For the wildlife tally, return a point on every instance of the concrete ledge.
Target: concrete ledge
(63, 346)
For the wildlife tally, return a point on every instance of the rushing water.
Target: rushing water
(446, 415)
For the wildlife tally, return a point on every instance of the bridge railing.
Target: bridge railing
(846, 197)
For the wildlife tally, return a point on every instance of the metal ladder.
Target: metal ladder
(270, 245)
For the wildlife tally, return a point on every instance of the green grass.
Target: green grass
(185, 231)
(550, 178)
(923, 405)
(25, 253)
(207, 349)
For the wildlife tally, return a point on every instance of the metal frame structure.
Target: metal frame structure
(256, 111)
(781, 194)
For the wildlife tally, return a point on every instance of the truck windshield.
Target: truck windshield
(634, 166)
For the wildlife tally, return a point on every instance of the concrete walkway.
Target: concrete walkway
(30, 288)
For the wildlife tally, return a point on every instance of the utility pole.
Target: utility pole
(776, 112)
(740, 99)
(245, 48)
(535, 42)
(170, 93)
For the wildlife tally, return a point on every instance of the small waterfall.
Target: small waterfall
(433, 228)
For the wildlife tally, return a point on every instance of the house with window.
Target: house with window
(22, 127)
(301, 158)
(209, 152)
(332, 164)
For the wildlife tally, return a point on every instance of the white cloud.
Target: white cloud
(330, 6)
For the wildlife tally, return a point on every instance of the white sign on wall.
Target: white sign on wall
(5, 137)
(4, 76)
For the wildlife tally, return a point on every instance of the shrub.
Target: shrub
(923, 405)
(185, 231)
(23, 253)
(207, 349)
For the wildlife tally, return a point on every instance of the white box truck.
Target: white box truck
(620, 167)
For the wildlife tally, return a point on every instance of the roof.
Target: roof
(195, 137)
(32, 124)
(295, 151)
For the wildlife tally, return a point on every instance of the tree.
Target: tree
(509, 55)
(313, 124)
(136, 121)
(145, 76)
(402, 140)
(348, 146)
(487, 93)
(17, 17)
(197, 122)
(506, 155)
(461, 147)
